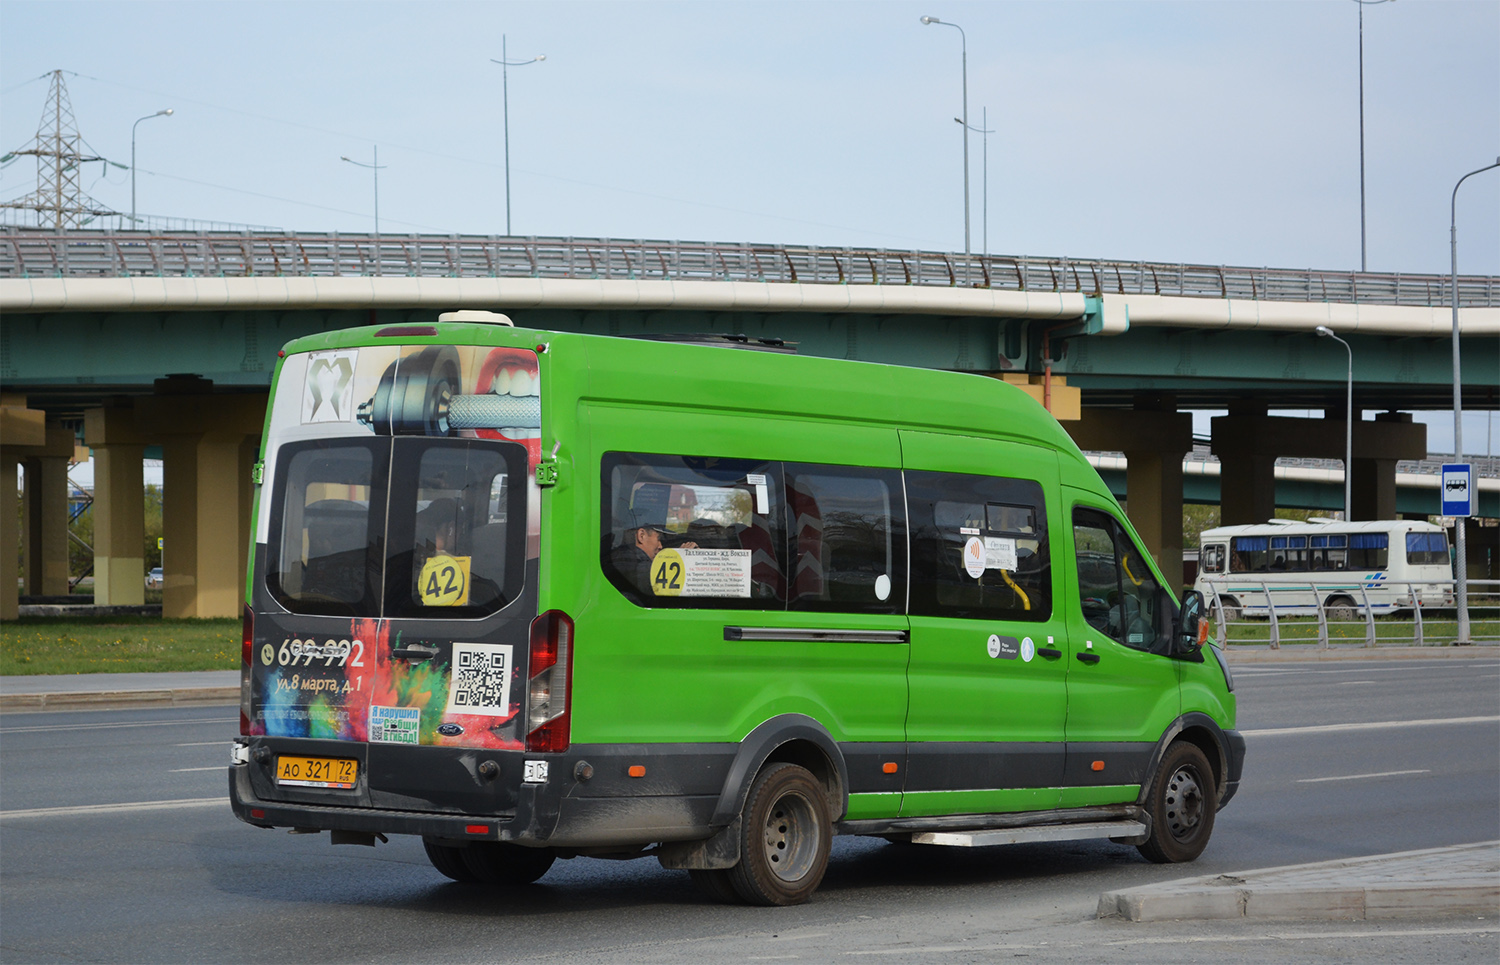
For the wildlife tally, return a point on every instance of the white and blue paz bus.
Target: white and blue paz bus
(1386, 565)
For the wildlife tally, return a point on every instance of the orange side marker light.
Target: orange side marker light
(637, 770)
(889, 767)
(1098, 765)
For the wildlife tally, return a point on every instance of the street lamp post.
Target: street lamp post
(375, 168)
(1362, 5)
(1326, 332)
(162, 113)
(1460, 541)
(964, 40)
(505, 65)
(984, 176)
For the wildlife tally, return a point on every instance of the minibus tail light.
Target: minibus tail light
(550, 683)
(247, 641)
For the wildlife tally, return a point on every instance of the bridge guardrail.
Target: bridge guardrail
(1424, 625)
(42, 253)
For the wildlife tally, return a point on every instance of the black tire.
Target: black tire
(1232, 611)
(715, 883)
(785, 838)
(1181, 802)
(507, 864)
(449, 861)
(1340, 609)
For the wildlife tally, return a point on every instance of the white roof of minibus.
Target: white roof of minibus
(1287, 527)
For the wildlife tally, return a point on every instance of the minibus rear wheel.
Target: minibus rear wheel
(1340, 609)
(507, 864)
(1181, 803)
(449, 861)
(784, 839)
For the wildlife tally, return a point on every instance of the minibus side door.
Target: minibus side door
(986, 678)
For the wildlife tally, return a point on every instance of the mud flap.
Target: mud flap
(715, 853)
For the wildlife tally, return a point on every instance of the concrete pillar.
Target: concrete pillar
(205, 495)
(46, 513)
(119, 506)
(1373, 483)
(22, 432)
(1247, 486)
(1154, 439)
(1248, 442)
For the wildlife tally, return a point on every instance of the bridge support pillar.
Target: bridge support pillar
(209, 444)
(119, 506)
(45, 509)
(1248, 442)
(1154, 439)
(1373, 483)
(23, 431)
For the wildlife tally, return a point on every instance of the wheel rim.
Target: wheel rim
(1184, 802)
(791, 837)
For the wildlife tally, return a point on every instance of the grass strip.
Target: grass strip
(119, 644)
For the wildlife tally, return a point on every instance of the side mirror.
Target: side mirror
(1192, 624)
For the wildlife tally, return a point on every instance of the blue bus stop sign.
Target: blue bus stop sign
(1458, 488)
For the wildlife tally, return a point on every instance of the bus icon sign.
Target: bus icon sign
(1458, 488)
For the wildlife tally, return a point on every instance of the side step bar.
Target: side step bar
(1049, 832)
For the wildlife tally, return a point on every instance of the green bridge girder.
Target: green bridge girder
(68, 361)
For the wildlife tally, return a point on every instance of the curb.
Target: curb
(1385, 894)
(1307, 653)
(119, 699)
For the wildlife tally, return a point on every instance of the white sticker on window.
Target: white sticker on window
(762, 499)
(481, 679)
(999, 553)
(974, 557)
(755, 479)
(968, 531)
(701, 572)
(328, 392)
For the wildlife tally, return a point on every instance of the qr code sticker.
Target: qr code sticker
(481, 679)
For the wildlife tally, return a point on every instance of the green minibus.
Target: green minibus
(533, 595)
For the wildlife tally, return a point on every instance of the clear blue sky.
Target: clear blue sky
(1206, 132)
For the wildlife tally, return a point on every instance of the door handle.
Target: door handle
(1088, 657)
(414, 652)
(1051, 653)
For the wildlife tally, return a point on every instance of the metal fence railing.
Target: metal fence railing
(46, 253)
(1341, 621)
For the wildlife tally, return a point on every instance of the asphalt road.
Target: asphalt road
(187, 882)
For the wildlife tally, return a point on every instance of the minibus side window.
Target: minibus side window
(979, 547)
(1119, 595)
(847, 528)
(1251, 554)
(694, 531)
(324, 557)
(1213, 558)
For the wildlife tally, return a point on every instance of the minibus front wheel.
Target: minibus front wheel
(786, 835)
(1182, 802)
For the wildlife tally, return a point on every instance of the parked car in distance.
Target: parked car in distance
(153, 578)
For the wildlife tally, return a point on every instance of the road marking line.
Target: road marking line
(1358, 777)
(1183, 939)
(1320, 671)
(216, 743)
(184, 770)
(187, 802)
(1371, 725)
(1345, 683)
(117, 725)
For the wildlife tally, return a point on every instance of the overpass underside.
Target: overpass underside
(182, 366)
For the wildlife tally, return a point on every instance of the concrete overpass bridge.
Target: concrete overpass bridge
(127, 342)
